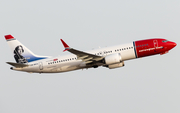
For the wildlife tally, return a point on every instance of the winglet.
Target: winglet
(65, 46)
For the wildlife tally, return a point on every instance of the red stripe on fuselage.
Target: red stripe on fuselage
(149, 47)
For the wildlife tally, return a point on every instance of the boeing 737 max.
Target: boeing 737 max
(110, 57)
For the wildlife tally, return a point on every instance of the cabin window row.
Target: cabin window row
(105, 52)
(124, 49)
(142, 45)
(54, 62)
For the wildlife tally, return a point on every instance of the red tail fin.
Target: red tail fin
(8, 37)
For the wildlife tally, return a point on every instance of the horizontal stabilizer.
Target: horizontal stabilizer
(17, 65)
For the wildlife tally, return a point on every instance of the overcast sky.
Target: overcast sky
(146, 85)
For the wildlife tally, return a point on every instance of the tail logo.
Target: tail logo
(18, 55)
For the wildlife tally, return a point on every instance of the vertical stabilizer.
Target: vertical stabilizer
(20, 52)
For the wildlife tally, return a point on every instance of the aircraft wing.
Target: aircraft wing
(17, 65)
(86, 57)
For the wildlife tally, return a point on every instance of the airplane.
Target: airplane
(109, 57)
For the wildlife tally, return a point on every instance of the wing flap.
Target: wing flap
(87, 62)
(83, 57)
(87, 57)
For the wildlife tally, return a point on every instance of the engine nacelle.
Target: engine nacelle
(113, 59)
(116, 65)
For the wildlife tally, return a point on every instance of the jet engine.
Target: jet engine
(113, 59)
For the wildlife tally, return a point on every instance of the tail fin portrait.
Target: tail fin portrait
(21, 53)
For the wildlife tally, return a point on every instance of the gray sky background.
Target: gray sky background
(147, 85)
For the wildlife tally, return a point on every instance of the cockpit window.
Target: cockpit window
(165, 41)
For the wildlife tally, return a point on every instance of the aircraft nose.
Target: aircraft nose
(173, 44)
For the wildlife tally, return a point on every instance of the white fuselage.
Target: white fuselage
(110, 57)
(71, 62)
